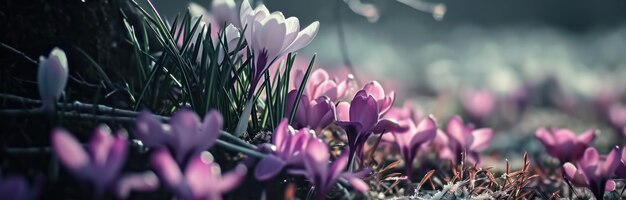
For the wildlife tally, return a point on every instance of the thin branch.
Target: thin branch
(18, 52)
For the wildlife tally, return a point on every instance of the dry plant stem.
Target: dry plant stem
(127, 115)
(18, 52)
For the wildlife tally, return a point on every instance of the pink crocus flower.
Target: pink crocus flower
(360, 118)
(411, 140)
(563, 143)
(271, 36)
(323, 176)
(286, 152)
(185, 135)
(102, 163)
(461, 137)
(617, 116)
(321, 84)
(594, 172)
(52, 77)
(202, 178)
(478, 103)
(315, 114)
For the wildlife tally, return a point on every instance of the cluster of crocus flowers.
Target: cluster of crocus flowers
(563, 144)
(185, 135)
(286, 151)
(323, 176)
(101, 164)
(593, 171)
(315, 114)
(201, 179)
(271, 36)
(52, 77)
(362, 116)
(460, 138)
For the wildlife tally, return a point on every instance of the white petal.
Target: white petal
(272, 35)
(293, 27)
(304, 37)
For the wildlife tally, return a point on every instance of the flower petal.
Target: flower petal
(613, 159)
(143, 182)
(149, 130)
(210, 129)
(268, 167)
(482, 137)
(232, 179)
(343, 111)
(305, 36)
(69, 150)
(100, 144)
(166, 168)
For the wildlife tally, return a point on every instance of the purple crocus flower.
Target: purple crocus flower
(202, 177)
(185, 135)
(411, 140)
(315, 114)
(286, 151)
(101, 164)
(563, 144)
(323, 176)
(16, 188)
(360, 118)
(52, 77)
(621, 167)
(593, 172)
(384, 101)
(461, 137)
(271, 36)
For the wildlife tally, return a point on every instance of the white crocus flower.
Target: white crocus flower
(270, 35)
(225, 11)
(232, 38)
(52, 77)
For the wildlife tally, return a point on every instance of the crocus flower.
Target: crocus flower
(461, 137)
(202, 177)
(185, 135)
(478, 103)
(360, 118)
(563, 144)
(315, 114)
(287, 151)
(593, 172)
(270, 36)
(324, 176)
(411, 140)
(52, 77)
(320, 84)
(101, 164)
(621, 167)
(385, 101)
(16, 188)
(617, 116)
(225, 11)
